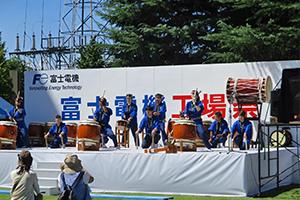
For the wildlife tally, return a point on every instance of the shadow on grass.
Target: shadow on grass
(287, 191)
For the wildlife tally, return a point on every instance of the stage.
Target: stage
(217, 173)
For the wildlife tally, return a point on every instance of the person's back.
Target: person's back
(27, 185)
(74, 176)
(24, 180)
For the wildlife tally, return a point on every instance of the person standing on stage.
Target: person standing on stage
(102, 116)
(193, 110)
(218, 131)
(160, 110)
(59, 131)
(244, 129)
(151, 125)
(129, 113)
(18, 113)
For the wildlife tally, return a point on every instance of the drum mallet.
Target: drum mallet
(103, 93)
(62, 143)
(152, 141)
(246, 144)
(46, 141)
(10, 116)
(93, 113)
(136, 141)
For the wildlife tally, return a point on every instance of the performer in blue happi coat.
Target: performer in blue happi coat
(218, 131)
(18, 113)
(129, 113)
(59, 131)
(160, 110)
(151, 125)
(102, 116)
(244, 129)
(193, 110)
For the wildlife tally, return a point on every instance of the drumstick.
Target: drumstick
(10, 116)
(246, 144)
(46, 141)
(102, 141)
(103, 93)
(152, 141)
(18, 95)
(93, 113)
(136, 141)
(62, 143)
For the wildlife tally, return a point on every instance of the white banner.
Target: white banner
(73, 93)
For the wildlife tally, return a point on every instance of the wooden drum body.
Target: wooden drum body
(206, 125)
(36, 134)
(249, 90)
(171, 125)
(184, 134)
(88, 136)
(8, 135)
(72, 134)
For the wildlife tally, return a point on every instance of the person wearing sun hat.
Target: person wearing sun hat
(24, 180)
(72, 171)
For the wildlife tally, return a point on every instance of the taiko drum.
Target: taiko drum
(89, 130)
(184, 129)
(36, 129)
(72, 129)
(249, 90)
(8, 130)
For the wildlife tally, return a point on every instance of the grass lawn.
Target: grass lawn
(291, 192)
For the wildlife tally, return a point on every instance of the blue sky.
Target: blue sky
(12, 19)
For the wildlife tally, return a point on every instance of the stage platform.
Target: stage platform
(216, 173)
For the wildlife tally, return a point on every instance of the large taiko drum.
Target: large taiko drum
(206, 125)
(88, 135)
(72, 134)
(72, 129)
(184, 129)
(171, 123)
(36, 129)
(184, 135)
(36, 133)
(8, 134)
(284, 139)
(249, 90)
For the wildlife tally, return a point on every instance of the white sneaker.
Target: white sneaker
(209, 150)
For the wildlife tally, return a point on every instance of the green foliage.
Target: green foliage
(5, 66)
(91, 55)
(257, 30)
(159, 32)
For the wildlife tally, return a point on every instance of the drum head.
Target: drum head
(269, 87)
(49, 123)
(7, 123)
(185, 122)
(281, 136)
(228, 90)
(70, 123)
(91, 123)
(207, 122)
(37, 124)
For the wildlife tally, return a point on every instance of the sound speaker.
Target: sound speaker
(275, 102)
(289, 107)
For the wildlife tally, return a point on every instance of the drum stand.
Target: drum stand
(122, 130)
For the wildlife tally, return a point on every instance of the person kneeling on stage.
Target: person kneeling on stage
(59, 131)
(244, 129)
(193, 110)
(150, 123)
(218, 131)
(102, 115)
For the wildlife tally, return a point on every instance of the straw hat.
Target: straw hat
(71, 164)
(25, 159)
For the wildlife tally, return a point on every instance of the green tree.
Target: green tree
(5, 66)
(159, 32)
(256, 30)
(91, 55)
